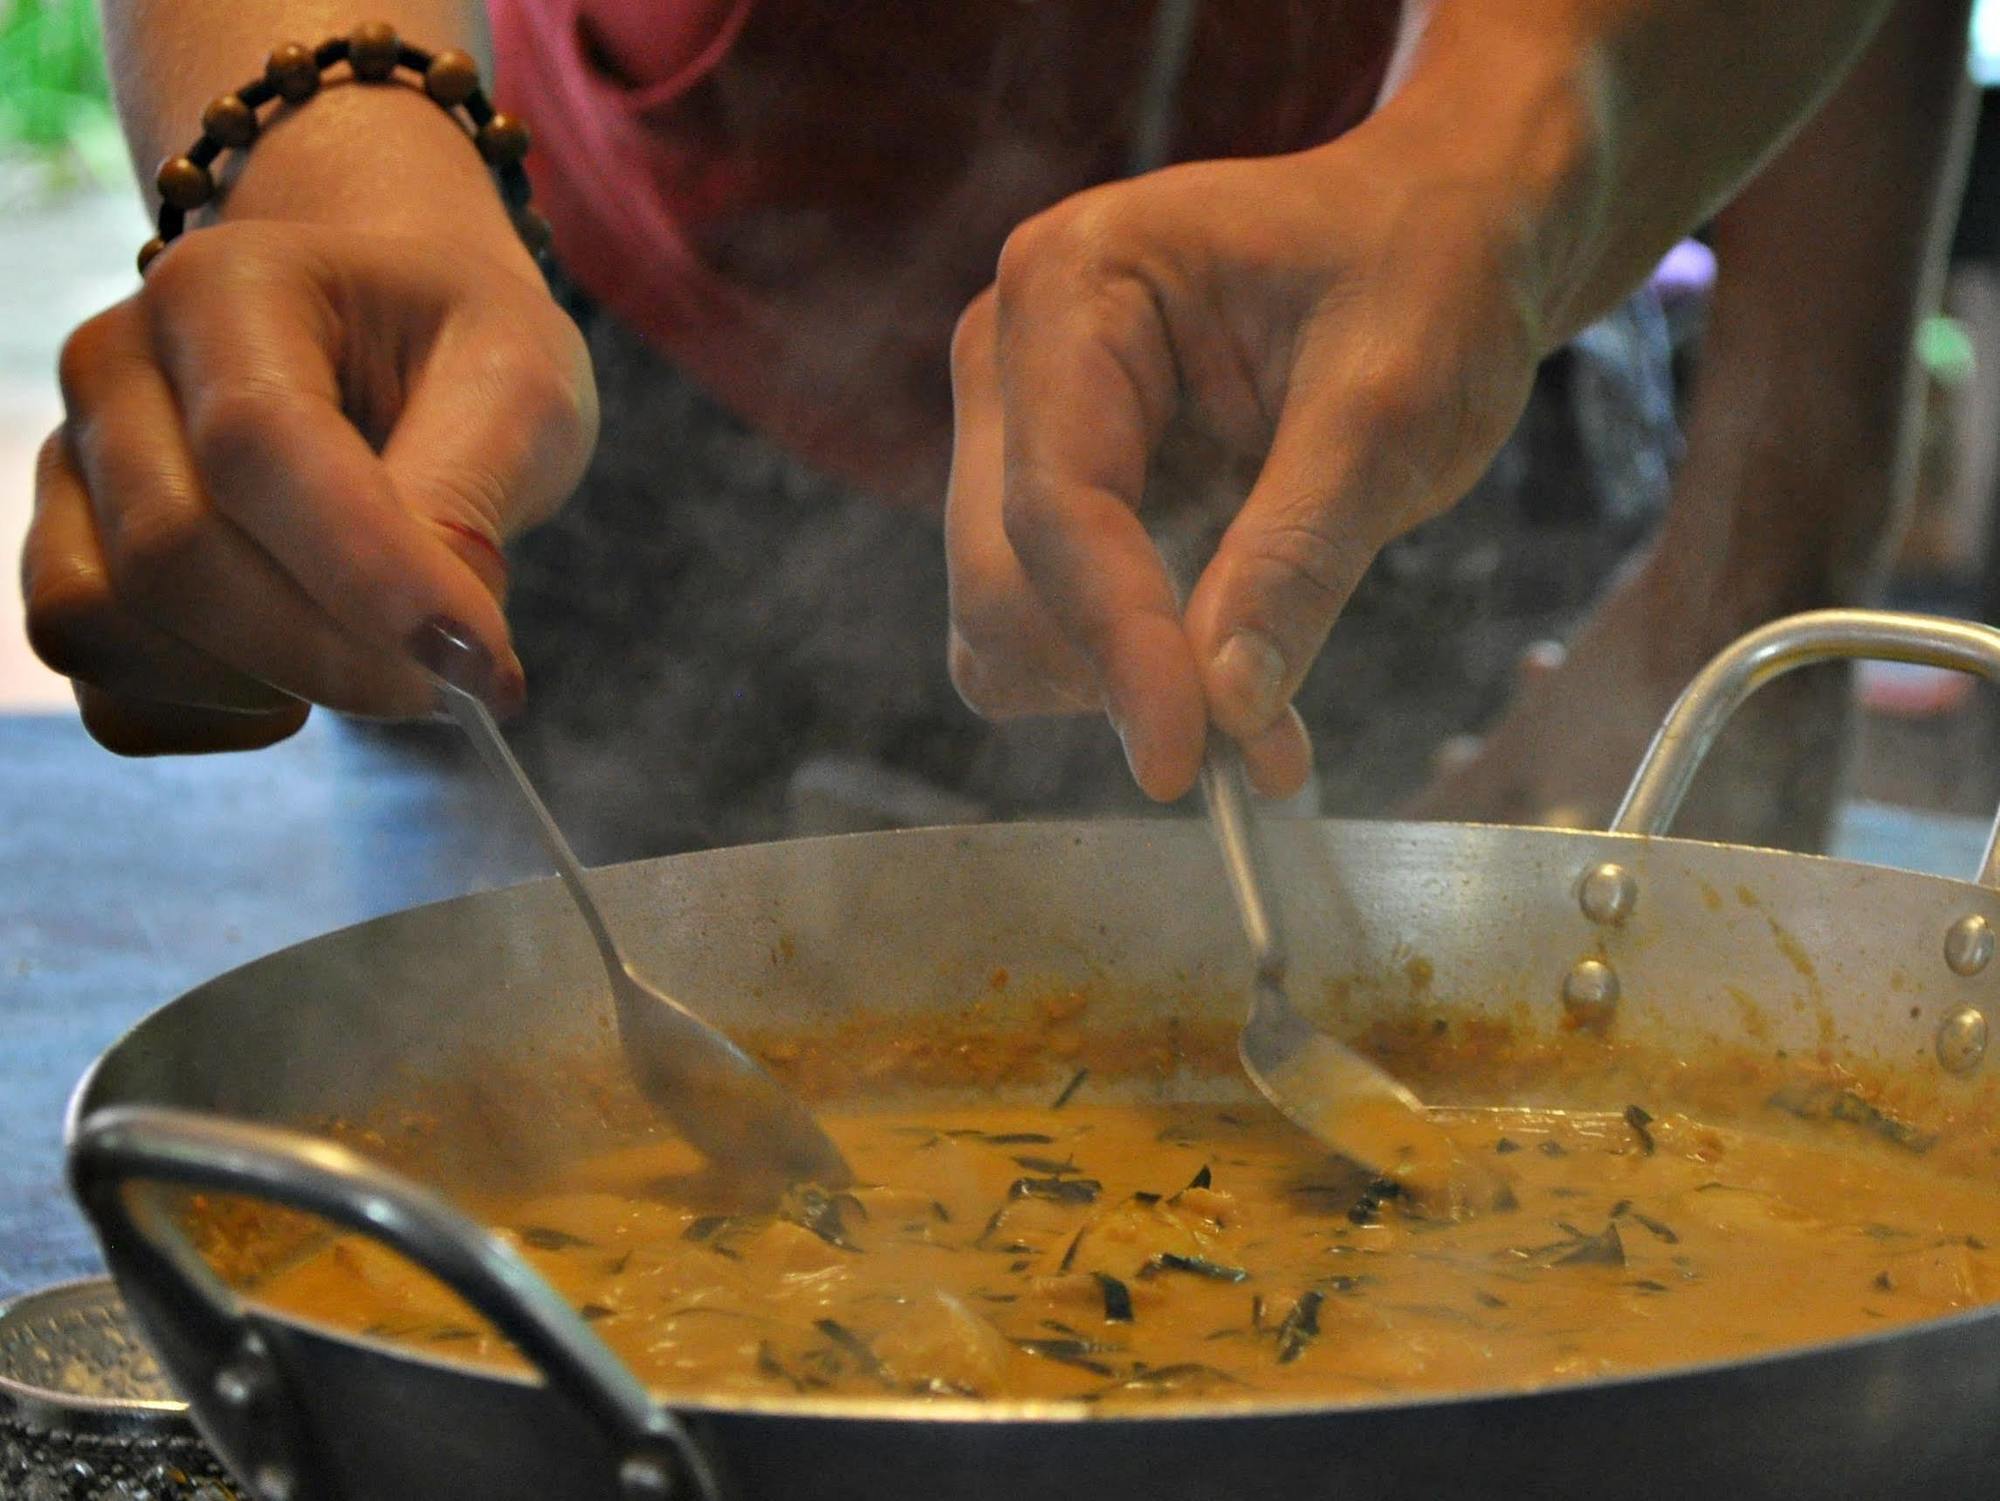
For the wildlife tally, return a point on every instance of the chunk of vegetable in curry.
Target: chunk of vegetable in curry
(1137, 1253)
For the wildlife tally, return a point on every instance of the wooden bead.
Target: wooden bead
(371, 50)
(148, 250)
(503, 140)
(532, 228)
(451, 78)
(183, 184)
(228, 121)
(292, 72)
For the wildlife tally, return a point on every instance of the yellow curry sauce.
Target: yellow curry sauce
(1122, 1253)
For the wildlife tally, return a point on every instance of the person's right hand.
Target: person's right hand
(286, 458)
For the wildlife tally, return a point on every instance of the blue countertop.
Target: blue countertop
(124, 883)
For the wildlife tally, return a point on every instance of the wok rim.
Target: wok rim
(1075, 1412)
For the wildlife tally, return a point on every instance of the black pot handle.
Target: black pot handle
(219, 1350)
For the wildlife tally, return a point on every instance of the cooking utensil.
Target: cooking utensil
(84, 1409)
(1630, 935)
(1316, 1081)
(758, 1134)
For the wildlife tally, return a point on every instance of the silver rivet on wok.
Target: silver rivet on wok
(1608, 894)
(1961, 1040)
(1968, 947)
(237, 1384)
(643, 1478)
(274, 1483)
(1590, 990)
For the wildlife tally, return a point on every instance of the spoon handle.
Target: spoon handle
(473, 718)
(1226, 790)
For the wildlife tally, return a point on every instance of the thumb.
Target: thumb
(1286, 566)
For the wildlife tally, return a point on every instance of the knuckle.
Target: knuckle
(227, 428)
(1394, 397)
(1022, 254)
(556, 404)
(50, 460)
(1049, 543)
(1312, 566)
(151, 549)
(973, 332)
(184, 276)
(1078, 241)
(85, 353)
(69, 607)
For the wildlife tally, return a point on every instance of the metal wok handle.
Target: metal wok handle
(1719, 689)
(213, 1343)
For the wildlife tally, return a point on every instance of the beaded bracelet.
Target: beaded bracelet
(292, 74)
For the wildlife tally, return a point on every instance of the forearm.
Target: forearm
(382, 157)
(1606, 129)
(1801, 442)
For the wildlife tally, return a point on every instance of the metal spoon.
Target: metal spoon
(1318, 1082)
(720, 1097)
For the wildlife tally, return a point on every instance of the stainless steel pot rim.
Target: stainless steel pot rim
(1599, 843)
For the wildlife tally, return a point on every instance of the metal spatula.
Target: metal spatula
(1317, 1081)
(721, 1098)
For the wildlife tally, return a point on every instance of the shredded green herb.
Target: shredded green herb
(1076, 1352)
(1656, 1228)
(1117, 1298)
(1069, 1090)
(1069, 1256)
(1200, 1266)
(1301, 1326)
(1639, 1120)
(1603, 1249)
(1827, 1101)
(852, 1343)
(811, 1207)
(1056, 1190)
(1047, 1165)
(543, 1238)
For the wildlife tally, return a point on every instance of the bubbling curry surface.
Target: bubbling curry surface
(1122, 1253)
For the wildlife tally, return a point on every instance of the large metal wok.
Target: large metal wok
(1639, 935)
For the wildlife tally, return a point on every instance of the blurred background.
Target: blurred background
(69, 218)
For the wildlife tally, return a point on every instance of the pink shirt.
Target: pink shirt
(794, 199)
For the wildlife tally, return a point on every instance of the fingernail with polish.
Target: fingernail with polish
(510, 690)
(448, 650)
(1252, 671)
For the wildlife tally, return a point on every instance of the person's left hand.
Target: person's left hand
(1362, 327)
